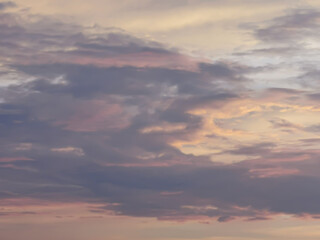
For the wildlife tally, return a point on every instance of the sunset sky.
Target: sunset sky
(160, 120)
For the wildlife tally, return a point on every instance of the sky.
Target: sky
(159, 120)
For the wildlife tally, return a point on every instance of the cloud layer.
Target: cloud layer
(90, 114)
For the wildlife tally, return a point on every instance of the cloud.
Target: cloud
(293, 27)
(282, 123)
(70, 150)
(5, 5)
(99, 112)
(257, 149)
(11, 159)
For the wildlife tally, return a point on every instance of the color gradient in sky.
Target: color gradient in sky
(160, 120)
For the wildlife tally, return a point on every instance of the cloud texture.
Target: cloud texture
(96, 115)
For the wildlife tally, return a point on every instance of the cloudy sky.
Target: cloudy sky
(160, 120)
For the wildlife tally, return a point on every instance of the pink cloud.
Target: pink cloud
(144, 59)
(273, 172)
(96, 115)
(14, 159)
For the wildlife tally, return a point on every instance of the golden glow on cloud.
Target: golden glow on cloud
(247, 122)
(195, 25)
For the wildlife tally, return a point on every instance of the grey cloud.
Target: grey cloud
(225, 218)
(51, 40)
(5, 5)
(271, 51)
(227, 188)
(119, 162)
(285, 90)
(222, 70)
(290, 28)
(314, 96)
(313, 128)
(310, 140)
(282, 123)
(16, 213)
(257, 149)
(310, 78)
(287, 126)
